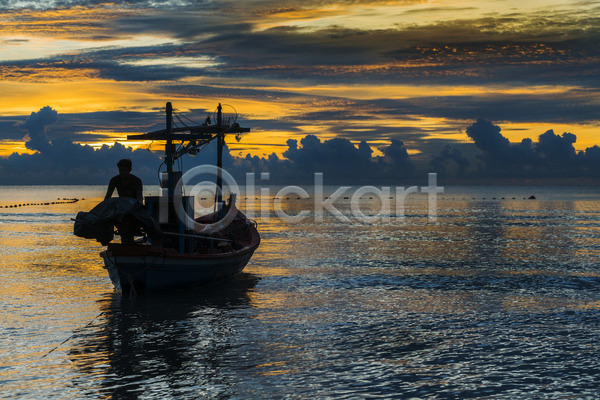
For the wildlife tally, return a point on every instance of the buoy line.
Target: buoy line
(47, 203)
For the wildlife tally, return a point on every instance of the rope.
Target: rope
(130, 276)
(74, 334)
(178, 115)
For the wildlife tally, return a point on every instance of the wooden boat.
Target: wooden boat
(143, 267)
(213, 248)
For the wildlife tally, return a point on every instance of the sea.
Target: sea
(488, 292)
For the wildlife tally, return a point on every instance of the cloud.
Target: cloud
(65, 4)
(9, 126)
(562, 47)
(82, 127)
(450, 162)
(553, 146)
(591, 161)
(57, 160)
(521, 107)
(36, 125)
(60, 161)
(552, 156)
(258, 7)
(338, 159)
(66, 21)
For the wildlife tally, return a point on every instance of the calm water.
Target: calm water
(499, 298)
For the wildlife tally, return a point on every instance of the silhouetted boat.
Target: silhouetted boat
(176, 250)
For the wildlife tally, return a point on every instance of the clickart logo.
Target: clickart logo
(199, 183)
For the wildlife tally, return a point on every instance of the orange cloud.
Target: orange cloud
(42, 72)
(73, 23)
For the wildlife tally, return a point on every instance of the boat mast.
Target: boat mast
(169, 150)
(220, 143)
(192, 138)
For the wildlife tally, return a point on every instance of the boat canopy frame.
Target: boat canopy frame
(196, 137)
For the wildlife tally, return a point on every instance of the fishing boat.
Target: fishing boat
(175, 249)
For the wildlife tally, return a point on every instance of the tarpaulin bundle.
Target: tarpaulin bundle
(98, 223)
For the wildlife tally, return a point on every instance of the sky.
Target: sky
(362, 91)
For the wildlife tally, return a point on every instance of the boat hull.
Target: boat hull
(150, 273)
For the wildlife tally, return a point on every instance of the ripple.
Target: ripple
(496, 299)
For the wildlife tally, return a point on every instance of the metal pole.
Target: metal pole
(220, 142)
(169, 151)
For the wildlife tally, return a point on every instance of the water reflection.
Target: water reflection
(166, 345)
(498, 298)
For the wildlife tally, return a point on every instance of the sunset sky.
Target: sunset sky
(418, 72)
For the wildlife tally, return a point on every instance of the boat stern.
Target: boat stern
(113, 271)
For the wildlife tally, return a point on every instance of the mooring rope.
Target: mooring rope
(75, 332)
(131, 276)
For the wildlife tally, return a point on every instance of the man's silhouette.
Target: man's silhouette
(127, 185)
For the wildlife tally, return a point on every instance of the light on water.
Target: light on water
(499, 297)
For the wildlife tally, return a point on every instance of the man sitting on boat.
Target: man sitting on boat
(127, 185)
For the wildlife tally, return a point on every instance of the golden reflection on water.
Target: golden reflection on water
(51, 282)
(276, 367)
(311, 280)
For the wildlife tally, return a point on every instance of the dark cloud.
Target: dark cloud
(552, 156)
(60, 161)
(430, 10)
(65, 162)
(256, 7)
(58, 4)
(500, 157)
(523, 49)
(484, 50)
(96, 64)
(340, 161)
(510, 107)
(36, 125)
(354, 121)
(450, 162)
(57, 160)
(204, 91)
(337, 158)
(553, 146)
(350, 119)
(80, 127)
(9, 126)
(591, 161)
(106, 125)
